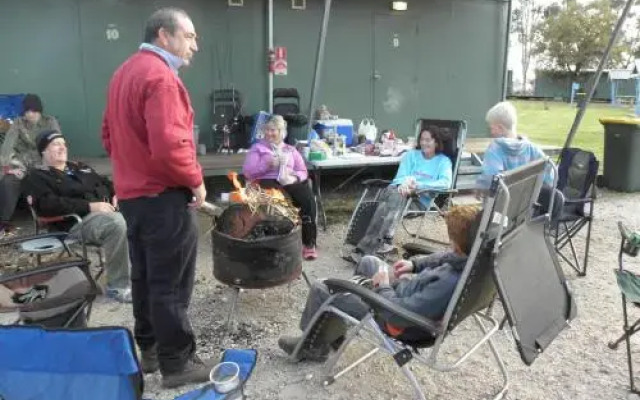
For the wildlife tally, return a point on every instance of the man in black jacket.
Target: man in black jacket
(61, 187)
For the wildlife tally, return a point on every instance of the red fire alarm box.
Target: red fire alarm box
(280, 66)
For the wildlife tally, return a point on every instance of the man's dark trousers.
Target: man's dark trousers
(163, 240)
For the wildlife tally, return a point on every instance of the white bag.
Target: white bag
(368, 129)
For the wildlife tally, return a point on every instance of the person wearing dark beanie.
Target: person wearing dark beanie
(18, 153)
(31, 102)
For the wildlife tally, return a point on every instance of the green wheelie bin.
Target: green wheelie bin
(621, 153)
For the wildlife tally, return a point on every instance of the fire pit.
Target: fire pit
(257, 264)
(257, 243)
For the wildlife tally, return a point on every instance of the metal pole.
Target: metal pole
(319, 59)
(270, 44)
(505, 67)
(596, 77)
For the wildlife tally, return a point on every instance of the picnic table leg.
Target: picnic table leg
(318, 193)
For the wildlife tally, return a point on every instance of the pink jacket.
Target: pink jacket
(257, 164)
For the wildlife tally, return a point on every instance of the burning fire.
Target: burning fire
(255, 197)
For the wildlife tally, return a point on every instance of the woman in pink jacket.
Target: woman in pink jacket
(275, 164)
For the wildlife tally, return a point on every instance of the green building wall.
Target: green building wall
(446, 62)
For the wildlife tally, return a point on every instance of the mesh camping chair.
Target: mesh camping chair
(455, 135)
(535, 295)
(577, 175)
(97, 364)
(56, 294)
(629, 284)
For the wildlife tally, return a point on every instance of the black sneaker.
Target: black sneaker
(194, 371)
(149, 360)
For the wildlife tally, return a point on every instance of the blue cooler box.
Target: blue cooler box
(11, 105)
(343, 127)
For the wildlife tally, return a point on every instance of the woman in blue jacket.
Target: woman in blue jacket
(425, 167)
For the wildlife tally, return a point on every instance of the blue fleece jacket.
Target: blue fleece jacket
(505, 154)
(433, 173)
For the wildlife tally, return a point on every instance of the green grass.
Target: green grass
(549, 123)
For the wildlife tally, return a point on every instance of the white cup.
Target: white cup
(224, 197)
(225, 377)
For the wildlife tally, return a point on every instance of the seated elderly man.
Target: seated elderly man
(62, 187)
(18, 153)
(423, 284)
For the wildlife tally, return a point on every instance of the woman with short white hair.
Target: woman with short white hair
(273, 163)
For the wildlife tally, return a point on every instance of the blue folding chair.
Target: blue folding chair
(97, 364)
(81, 364)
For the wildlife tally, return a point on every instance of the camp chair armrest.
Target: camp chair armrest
(19, 239)
(434, 192)
(579, 201)
(79, 263)
(379, 303)
(376, 182)
(59, 218)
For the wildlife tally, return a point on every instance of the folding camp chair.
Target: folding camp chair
(455, 135)
(97, 364)
(56, 294)
(286, 102)
(577, 175)
(43, 246)
(536, 298)
(629, 284)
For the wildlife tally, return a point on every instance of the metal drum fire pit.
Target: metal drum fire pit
(257, 264)
(254, 251)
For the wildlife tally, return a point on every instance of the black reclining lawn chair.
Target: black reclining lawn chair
(57, 294)
(536, 298)
(455, 136)
(577, 176)
(286, 102)
(629, 284)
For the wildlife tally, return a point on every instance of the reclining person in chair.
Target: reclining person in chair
(423, 284)
(275, 164)
(61, 187)
(425, 167)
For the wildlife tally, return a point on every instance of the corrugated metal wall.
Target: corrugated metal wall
(450, 50)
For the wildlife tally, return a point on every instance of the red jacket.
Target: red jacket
(147, 129)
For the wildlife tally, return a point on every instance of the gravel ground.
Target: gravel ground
(578, 365)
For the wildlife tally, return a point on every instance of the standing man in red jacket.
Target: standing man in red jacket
(148, 133)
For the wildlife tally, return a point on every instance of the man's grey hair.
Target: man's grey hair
(503, 113)
(166, 18)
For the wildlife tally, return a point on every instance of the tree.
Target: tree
(526, 16)
(574, 38)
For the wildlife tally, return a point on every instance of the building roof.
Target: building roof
(619, 74)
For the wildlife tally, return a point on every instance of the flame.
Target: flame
(240, 194)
